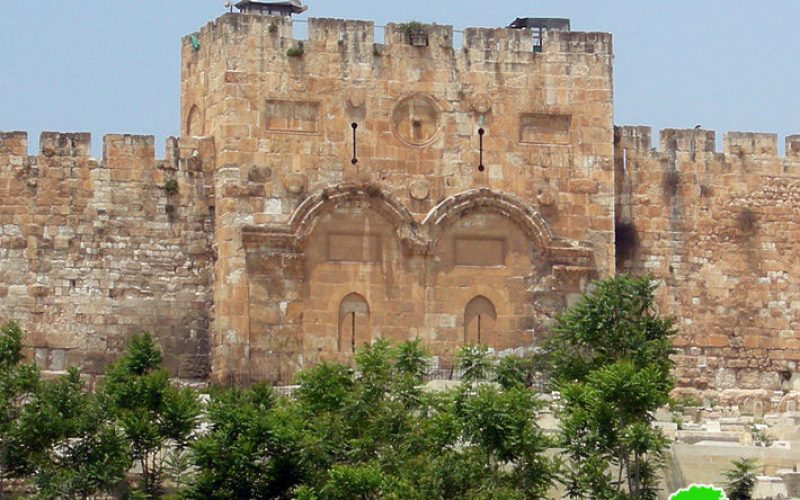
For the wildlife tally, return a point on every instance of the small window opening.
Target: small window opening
(418, 37)
(354, 328)
(479, 321)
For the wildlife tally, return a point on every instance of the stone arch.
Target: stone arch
(758, 409)
(479, 321)
(314, 206)
(525, 216)
(194, 122)
(354, 323)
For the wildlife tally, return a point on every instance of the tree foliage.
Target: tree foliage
(17, 382)
(370, 431)
(54, 432)
(152, 413)
(610, 360)
(367, 430)
(741, 479)
(74, 449)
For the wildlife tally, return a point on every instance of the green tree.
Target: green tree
(18, 382)
(500, 425)
(411, 358)
(512, 371)
(73, 448)
(370, 431)
(610, 359)
(252, 449)
(741, 479)
(153, 414)
(699, 492)
(475, 363)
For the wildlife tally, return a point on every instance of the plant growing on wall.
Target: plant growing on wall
(412, 27)
(296, 51)
(415, 32)
(170, 186)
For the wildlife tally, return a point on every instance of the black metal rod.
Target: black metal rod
(355, 159)
(481, 168)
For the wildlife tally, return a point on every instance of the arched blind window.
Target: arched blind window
(353, 323)
(479, 320)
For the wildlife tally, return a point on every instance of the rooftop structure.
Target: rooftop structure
(279, 8)
(538, 25)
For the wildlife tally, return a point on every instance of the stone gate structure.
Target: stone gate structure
(328, 192)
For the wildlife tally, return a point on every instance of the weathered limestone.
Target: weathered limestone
(93, 251)
(338, 193)
(318, 253)
(719, 230)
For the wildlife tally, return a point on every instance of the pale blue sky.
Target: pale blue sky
(113, 66)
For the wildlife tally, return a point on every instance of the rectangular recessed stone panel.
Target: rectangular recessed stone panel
(292, 116)
(354, 247)
(542, 128)
(481, 252)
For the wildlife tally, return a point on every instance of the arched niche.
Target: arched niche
(349, 240)
(194, 123)
(483, 253)
(479, 322)
(354, 324)
(456, 207)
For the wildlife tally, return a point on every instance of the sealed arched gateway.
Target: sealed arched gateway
(478, 269)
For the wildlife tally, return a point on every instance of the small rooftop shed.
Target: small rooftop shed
(538, 25)
(279, 8)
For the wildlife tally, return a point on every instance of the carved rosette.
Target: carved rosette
(415, 120)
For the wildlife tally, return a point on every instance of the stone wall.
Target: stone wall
(336, 190)
(94, 251)
(720, 232)
(285, 181)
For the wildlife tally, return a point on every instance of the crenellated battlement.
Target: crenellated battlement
(357, 37)
(120, 151)
(718, 230)
(87, 246)
(761, 148)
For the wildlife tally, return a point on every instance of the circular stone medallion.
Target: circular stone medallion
(481, 103)
(295, 183)
(419, 190)
(415, 120)
(546, 195)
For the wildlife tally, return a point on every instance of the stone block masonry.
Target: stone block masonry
(720, 231)
(94, 251)
(275, 235)
(318, 253)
